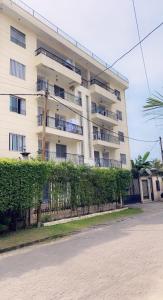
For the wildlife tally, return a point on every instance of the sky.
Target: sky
(108, 28)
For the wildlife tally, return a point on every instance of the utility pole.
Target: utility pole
(160, 139)
(44, 123)
(43, 154)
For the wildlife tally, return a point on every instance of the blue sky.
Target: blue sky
(107, 27)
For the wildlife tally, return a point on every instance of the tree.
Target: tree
(157, 164)
(141, 165)
(154, 106)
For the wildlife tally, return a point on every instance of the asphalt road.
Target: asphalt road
(122, 261)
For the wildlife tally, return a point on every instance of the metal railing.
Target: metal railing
(106, 137)
(64, 157)
(105, 113)
(60, 124)
(43, 85)
(106, 87)
(60, 60)
(59, 31)
(107, 163)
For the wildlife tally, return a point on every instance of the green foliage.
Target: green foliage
(70, 186)
(21, 183)
(141, 165)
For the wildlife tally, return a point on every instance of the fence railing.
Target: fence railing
(105, 113)
(107, 163)
(59, 31)
(43, 85)
(106, 87)
(63, 157)
(60, 60)
(60, 124)
(106, 137)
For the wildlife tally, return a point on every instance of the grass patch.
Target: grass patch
(59, 230)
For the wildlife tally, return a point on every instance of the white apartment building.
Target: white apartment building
(86, 110)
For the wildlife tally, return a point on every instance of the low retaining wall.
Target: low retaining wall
(55, 214)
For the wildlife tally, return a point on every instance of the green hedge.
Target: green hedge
(70, 186)
(21, 183)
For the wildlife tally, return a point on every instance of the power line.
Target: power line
(141, 48)
(130, 50)
(74, 111)
(102, 127)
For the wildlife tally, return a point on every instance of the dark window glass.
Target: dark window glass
(119, 115)
(17, 69)
(17, 37)
(18, 105)
(59, 91)
(118, 94)
(61, 150)
(121, 136)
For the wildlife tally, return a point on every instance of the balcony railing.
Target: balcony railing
(107, 163)
(60, 60)
(106, 87)
(42, 86)
(64, 157)
(106, 137)
(105, 113)
(60, 124)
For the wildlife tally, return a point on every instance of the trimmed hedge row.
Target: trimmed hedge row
(71, 186)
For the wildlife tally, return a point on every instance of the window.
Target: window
(119, 115)
(16, 142)
(17, 37)
(17, 69)
(118, 94)
(59, 91)
(61, 151)
(123, 159)
(17, 105)
(121, 136)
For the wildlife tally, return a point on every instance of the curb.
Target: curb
(31, 243)
(8, 249)
(67, 220)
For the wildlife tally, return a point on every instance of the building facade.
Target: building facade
(86, 109)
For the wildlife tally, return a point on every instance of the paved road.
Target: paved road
(122, 261)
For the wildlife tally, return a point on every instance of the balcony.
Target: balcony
(60, 127)
(104, 115)
(107, 163)
(76, 101)
(65, 157)
(102, 90)
(58, 65)
(106, 139)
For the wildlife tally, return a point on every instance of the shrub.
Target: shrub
(70, 186)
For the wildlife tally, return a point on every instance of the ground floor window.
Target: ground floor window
(17, 142)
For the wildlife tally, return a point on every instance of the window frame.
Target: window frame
(17, 147)
(16, 40)
(18, 109)
(15, 71)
